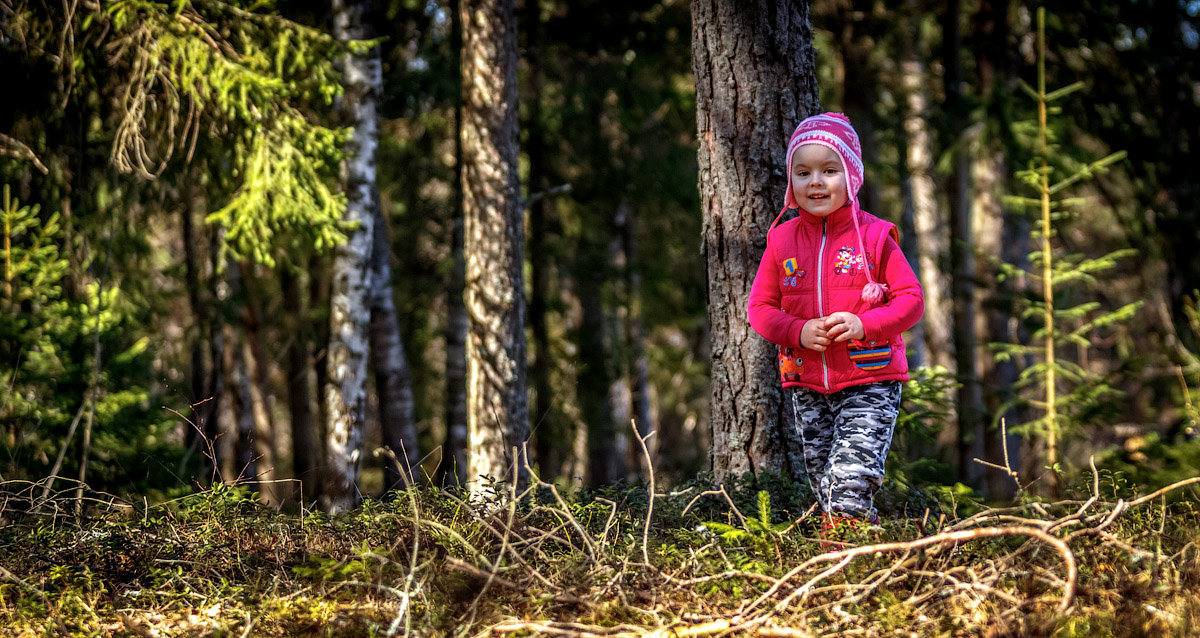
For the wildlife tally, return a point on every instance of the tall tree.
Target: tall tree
(393, 380)
(306, 451)
(932, 236)
(350, 295)
(998, 231)
(755, 80)
(962, 268)
(498, 412)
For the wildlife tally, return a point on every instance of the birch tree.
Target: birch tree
(755, 80)
(350, 298)
(498, 413)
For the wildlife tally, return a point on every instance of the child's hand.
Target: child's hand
(843, 326)
(814, 336)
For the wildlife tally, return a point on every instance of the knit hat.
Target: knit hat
(833, 131)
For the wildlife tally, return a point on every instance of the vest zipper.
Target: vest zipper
(821, 296)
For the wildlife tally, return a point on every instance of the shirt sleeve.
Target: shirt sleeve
(905, 300)
(765, 311)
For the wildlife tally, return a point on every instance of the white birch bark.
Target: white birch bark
(349, 300)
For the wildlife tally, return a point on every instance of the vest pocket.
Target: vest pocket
(870, 355)
(790, 365)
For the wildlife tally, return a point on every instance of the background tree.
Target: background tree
(493, 242)
(350, 298)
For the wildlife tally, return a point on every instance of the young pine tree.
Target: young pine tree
(1063, 390)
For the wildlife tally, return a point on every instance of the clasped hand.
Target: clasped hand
(818, 334)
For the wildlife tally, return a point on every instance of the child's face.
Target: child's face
(818, 181)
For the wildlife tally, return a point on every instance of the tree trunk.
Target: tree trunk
(595, 379)
(931, 233)
(260, 393)
(452, 469)
(859, 95)
(635, 337)
(549, 437)
(1000, 234)
(305, 451)
(349, 312)
(393, 381)
(962, 255)
(755, 80)
(498, 412)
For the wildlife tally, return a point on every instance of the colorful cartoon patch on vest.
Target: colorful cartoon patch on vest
(792, 274)
(870, 355)
(790, 365)
(848, 262)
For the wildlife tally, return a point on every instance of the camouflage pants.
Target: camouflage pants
(846, 437)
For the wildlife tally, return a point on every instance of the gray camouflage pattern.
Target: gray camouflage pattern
(846, 436)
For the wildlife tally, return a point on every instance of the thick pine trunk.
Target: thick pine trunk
(498, 412)
(393, 380)
(755, 80)
(350, 293)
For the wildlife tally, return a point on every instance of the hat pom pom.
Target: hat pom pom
(874, 293)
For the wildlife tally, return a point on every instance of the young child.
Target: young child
(834, 292)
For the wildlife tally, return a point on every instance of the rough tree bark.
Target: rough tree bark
(755, 80)
(349, 310)
(498, 414)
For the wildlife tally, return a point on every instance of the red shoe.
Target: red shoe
(837, 526)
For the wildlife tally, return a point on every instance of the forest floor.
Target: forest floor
(601, 564)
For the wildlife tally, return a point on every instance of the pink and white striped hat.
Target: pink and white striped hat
(833, 131)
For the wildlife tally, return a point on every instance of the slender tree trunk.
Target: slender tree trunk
(962, 255)
(859, 95)
(305, 444)
(1003, 235)
(260, 393)
(755, 80)
(931, 233)
(244, 458)
(452, 470)
(393, 381)
(549, 433)
(594, 385)
(350, 295)
(635, 336)
(319, 286)
(498, 412)
(197, 367)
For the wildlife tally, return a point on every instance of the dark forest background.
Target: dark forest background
(171, 202)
